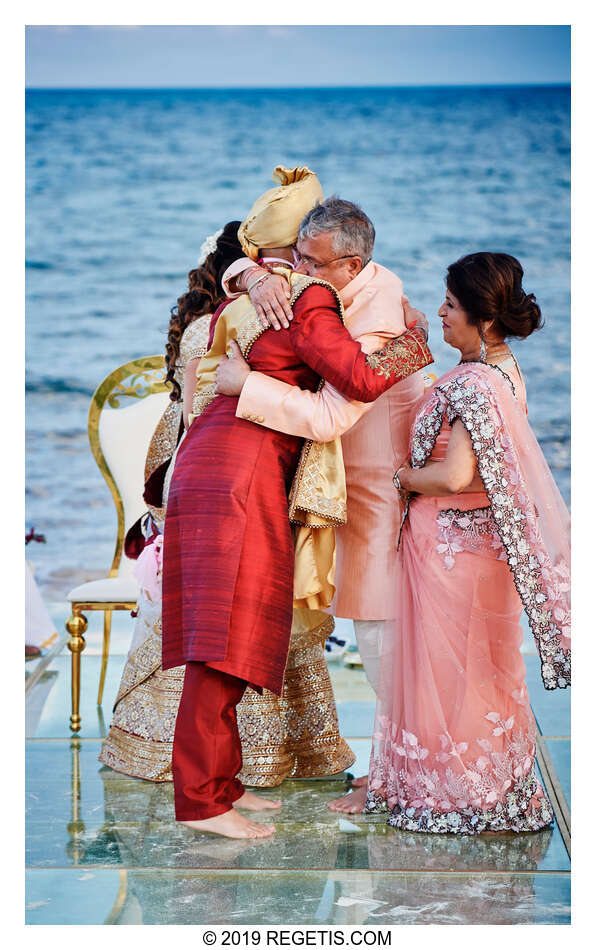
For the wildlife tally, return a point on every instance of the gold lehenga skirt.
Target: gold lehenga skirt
(295, 735)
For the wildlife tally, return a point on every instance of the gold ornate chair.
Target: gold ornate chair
(123, 414)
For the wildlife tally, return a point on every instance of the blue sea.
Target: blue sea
(124, 185)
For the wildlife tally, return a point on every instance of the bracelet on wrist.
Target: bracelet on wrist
(256, 281)
(243, 278)
(396, 479)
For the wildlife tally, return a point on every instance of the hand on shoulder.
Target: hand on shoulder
(413, 317)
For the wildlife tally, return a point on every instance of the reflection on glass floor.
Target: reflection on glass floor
(104, 848)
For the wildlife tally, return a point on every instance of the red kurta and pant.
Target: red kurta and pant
(228, 549)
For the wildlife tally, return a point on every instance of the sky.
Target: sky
(278, 56)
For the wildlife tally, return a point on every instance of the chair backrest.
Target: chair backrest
(123, 415)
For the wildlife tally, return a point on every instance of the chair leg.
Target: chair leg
(76, 626)
(107, 628)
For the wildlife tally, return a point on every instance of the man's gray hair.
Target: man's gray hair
(353, 231)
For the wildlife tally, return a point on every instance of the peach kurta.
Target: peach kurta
(377, 441)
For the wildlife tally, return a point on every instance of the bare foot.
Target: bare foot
(352, 803)
(359, 782)
(254, 803)
(231, 824)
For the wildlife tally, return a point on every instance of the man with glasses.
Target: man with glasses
(335, 243)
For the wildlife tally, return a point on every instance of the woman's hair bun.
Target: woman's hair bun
(522, 316)
(489, 287)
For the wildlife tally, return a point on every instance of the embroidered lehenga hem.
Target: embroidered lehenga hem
(311, 756)
(295, 735)
(137, 756)
(309, 713)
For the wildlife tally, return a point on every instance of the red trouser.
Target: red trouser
(207, 752)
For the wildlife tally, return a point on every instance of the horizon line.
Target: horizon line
(456, 85)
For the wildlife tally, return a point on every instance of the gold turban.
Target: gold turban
(275, 217)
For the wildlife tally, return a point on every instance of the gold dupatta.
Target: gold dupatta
(318, 495)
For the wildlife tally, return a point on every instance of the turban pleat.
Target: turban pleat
(274, 219)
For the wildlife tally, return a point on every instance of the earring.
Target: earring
(482, 354)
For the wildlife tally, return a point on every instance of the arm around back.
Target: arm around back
(321, 340)
(320, 416)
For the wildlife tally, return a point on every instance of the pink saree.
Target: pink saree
(454, 738)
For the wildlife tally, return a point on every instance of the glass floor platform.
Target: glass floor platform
(103, 848)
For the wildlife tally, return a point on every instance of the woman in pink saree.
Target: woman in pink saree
(485, 533)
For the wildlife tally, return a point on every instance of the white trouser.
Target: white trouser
(369, 639)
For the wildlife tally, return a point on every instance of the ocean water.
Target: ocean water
(123, 187)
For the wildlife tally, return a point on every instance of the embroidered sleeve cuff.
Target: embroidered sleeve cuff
(403, 356)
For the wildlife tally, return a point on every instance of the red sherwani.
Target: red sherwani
(228, 550)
